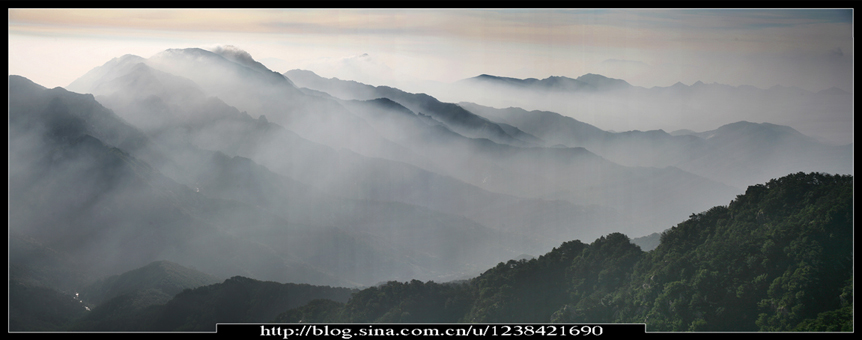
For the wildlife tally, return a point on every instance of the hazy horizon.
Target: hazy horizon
(811, 49)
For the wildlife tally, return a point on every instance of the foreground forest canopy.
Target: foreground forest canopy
(777, 258)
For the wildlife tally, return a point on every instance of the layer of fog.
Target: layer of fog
(826, 116)
(334, 230)
(217, 162)
(518, 164)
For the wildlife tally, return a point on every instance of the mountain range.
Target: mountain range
(789, 241)
(211, 160)
(614, 104)
(777, 258)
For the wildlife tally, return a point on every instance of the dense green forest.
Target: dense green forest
(777, 258)
(238, 299)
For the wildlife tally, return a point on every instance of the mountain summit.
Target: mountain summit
(587, 82)
(241, 57)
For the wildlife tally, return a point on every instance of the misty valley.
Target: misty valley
(198, 186)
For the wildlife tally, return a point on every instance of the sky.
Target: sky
(807, 48)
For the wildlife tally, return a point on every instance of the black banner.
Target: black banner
(355, 331)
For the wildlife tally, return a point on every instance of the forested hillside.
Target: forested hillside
(777, 258)
(238, 299)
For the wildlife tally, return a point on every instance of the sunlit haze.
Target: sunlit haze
(811, 49)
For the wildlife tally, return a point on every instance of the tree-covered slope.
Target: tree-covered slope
(238, 299)
(34, 307)
(165, 277)
(777, 258)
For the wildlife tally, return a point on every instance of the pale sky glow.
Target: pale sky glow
(810, 49)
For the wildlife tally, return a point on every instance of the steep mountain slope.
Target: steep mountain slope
(102, 200)
(112, 69)
(261, 92)
(60, 115)
(777, 258)
(172, 80)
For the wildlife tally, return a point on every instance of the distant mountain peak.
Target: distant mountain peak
(600, 81)
(106, 72)
(833, 90)
(199, 54)
(592, 76)
(733, 129)
(236, 54)
(16, 81)
(485, 76)
(186, 51)
(239, 56)
(128, 58)
(589, 81)
(301, 71)
(228, 58)
(230, 50)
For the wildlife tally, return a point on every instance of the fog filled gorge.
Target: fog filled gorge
(204, 165)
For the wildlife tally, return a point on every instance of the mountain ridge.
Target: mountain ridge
(597, 80)
(684, 284)
(744, 151)
(349, 184)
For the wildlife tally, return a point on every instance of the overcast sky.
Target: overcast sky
(811, 48)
